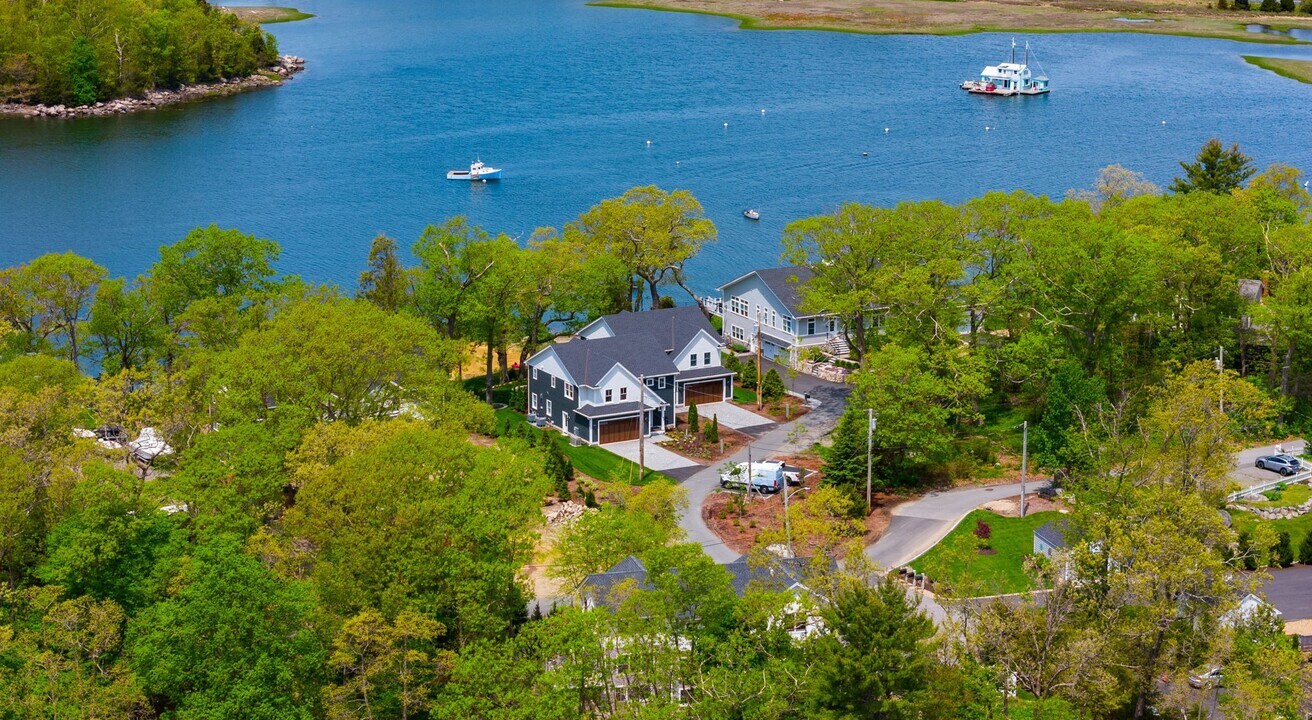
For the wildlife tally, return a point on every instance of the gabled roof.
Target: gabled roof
(785, 283)
(598, 586)
(588, 361)
(673, 327)
(769, 572)
(1052, 533)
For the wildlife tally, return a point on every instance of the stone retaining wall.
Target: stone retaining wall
(1278, 513)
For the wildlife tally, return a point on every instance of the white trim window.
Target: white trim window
(788, 325)
(692, 360)
(608, 394)
(706, 359)
(569, 391)
(624, 394)
(737, 333)
(651, 382)
(548, 407)
(810, 326)
(660, 383)
(553, 382)
(564, 420)
(534, 399)
(738, 306)
(535, 373)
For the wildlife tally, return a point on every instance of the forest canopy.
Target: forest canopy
(82, 51)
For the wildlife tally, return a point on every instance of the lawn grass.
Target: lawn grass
(593, 461)
(1292, 495)
(1300, 70)
(741, 395)
(1002, 573)
(1297, 527)
(500, 393)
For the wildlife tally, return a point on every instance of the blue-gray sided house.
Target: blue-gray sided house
(597, 385)
(773, 296)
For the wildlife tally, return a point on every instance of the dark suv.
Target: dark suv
(1283, 464)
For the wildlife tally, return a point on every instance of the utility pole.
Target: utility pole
(871, 421)
(758, 358)
(749, 471)
(788, 525)
(1024, 460)
(1220, 370)
(642, 421)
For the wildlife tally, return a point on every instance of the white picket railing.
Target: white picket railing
(1259, 489)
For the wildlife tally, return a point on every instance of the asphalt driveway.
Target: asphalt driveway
(1290, 590)
(1247, 475)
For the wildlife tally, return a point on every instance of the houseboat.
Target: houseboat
(477, 171)
(1009, 78)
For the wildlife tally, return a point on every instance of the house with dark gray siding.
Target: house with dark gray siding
(772, 298)
(628, 373)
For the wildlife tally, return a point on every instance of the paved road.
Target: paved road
(1247, 475)
(917, 526)
(828, 401)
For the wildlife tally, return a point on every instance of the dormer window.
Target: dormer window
(624, 394)
(692, 360)
(608, 394)
(706, 358)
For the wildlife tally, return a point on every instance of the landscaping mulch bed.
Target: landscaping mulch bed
(695, 447)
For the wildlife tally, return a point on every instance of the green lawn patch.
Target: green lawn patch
(592, 461)
(1300, 70)
(1297, 527)
(997, 574)
(1289, 497)
(743, 396)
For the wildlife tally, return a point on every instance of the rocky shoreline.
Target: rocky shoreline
(275, 74)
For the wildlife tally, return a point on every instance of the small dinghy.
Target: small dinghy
(477, 171)
(751, 214)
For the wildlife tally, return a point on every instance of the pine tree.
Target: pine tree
(1283, 555)
(1218, 169)
(845, 460)
(772, 387)
(385, 283)
(694, 425)
(1287, 5)
(713, 430)
(1270, 6)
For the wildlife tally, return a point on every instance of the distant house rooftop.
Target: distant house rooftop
(1052, 533)
(768, 572)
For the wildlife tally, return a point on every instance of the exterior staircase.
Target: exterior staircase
(837, 347)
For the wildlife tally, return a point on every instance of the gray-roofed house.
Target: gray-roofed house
(774, 296)
(766, 572)
(1049, 538)
(627, 366)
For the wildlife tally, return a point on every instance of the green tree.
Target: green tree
(875, 659)
(845, 459)
(1217, 169)
(694, 422)
(1072, 396)
(386, 283)
(232, 641)
(1305, 550)
(123, 326)
(1283, 553)
(386, 669)
(652, 232)
(598, 540)
(83, 72)
(62, 287)
(453, 258)
(713, 430)
(772, 386)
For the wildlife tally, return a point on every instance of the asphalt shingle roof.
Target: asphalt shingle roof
(1052, 533)
(588, 361)
(786, 282)
(673, 328)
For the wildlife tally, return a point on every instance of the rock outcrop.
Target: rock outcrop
(273, 75)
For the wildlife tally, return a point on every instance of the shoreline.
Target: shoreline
(1300, 70)
(266, 14)
(865, 20)
(271, 76)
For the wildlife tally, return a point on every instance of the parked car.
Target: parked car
(765, 477)
(1210, 678)
(1283, 464)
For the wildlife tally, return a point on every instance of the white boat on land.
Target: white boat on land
(477, 171)
(751, 215)
(1010, 78)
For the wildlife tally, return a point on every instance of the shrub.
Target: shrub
(556, 466)
(747, 374)
(983, 531)
(518, 400)
(1287, 5)
(1306, 7)
(590, 498)
(1240, 4)
(1269, 6)
(772, 387)
(713, 430)
(1222, 5)
(694, 423)
(1245, 543)
(1283, 555)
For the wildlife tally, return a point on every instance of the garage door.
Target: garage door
(703, 392)
(619, 430)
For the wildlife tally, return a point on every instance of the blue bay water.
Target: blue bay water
(565, 96)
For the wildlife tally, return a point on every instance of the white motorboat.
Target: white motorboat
(751, 214)
(477, 171)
